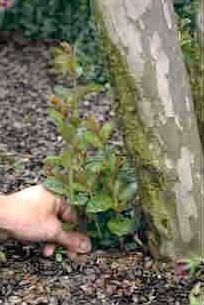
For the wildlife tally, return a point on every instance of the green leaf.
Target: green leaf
(58, 257)
(66, 159)
(87, 138)
(54, 185)
(194, 264)
(3, 258)
(71, 64)
(83, 91)
(116, 189)
(92, 234)
(106, 131)
(112, 160)
(127, 173)
(56, 51)
(62, 63)
(121, 226)
(91, 181)
(128, 193)
(79, 71)
(80, 199)
(91, 138)
(67, 133)
(79, 187)
(196, 296)
(95, 164)
(99, 203)
(75, 122)
(92, 124)
(131, 246)
(56, 117)
(53, 160)
(68, 226)
(194, 300)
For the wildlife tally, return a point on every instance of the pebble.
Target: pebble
(15, 300)
(148, 265)
(17, 125)
(86, 103)
(53, 301)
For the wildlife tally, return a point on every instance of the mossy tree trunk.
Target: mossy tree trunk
(155, 109)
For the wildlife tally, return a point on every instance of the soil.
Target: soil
(27, 136)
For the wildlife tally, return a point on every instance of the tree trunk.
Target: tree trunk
(197, 73)
(200, 23)
(155, 109)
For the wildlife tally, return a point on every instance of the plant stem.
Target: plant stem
(98, 227)
(75, 86)
(70, 178)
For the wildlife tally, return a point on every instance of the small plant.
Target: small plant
(188, 267)
(196, 296)
(98, 182)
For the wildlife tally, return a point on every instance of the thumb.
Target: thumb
(64, 211)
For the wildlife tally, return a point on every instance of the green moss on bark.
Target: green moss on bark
(196, 73)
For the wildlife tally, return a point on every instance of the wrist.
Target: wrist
(3, 211)
(3, 200)
(3, 225)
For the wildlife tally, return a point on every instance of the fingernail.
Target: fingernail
(48, 252)
(85, 246)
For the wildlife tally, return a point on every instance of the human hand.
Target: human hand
(33, 214)
(5, 4)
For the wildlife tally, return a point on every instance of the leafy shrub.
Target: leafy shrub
(187, 11)
(98, 182)
(196, 296)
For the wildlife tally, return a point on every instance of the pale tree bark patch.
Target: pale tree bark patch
(136, 9)
(167, 14)
(162, 72)
(186, 209)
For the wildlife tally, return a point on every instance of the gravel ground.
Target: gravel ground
(27, 136)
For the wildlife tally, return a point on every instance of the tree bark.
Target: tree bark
(196, 71)
(200, 22)
(155, 109)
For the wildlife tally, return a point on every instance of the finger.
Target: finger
(74, 242)
(72, 255)
(77, 258)
(65, 211)
(26, 242)
(49, 249)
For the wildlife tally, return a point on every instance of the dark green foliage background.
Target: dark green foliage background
(71, 20)
(187, 12)
(187, 9)
(44, 18)
(68, 20)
